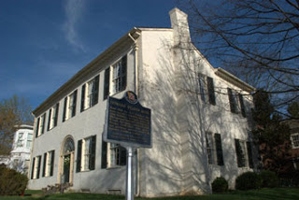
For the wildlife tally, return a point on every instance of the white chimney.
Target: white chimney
(179, 23)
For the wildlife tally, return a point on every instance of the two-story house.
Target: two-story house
(200, 119)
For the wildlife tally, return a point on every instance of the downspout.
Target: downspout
(136, 90)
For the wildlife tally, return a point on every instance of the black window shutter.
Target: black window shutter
(82, 97)
(219, 153)
(92, 153)
(44, 123)
(124, 73)
(64, 109)
(52, 163)
(104, 155)
(232, 102)
(56, 114)
(37, 127)
(249, 152)
(123, 156)
(74, 103)
(49, 119)
(44, 165)
(243, 110)
(211, 91)
(106, 83)
(38, 166)
(32, 168)
(239, 153)
(79, 152)
(95, 90)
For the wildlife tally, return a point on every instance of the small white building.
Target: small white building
(200, 119)
(20, 154)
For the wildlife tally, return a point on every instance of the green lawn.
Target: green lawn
(263, 194)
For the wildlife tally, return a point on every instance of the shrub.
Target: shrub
(248, 181)
(12, 182)
(268, 179)
(219, 185)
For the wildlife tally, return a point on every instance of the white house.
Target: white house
(20, 154)
(200, 119)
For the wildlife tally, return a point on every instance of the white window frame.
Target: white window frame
(113, 154)
(237, 101)
(53, 115)
(210, 147)
(117, 76)
(36, 170)
(70, 106)
(48, 163)
(88, 93)
(203, 87)
(295, 140)
(243, 144)
(20, 139)
(85, 153)
(29, 140)
(42, 123)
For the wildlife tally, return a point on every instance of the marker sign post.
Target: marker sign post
(129, 124)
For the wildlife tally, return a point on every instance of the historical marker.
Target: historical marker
(127, 122)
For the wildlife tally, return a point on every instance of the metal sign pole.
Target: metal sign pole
(129, 192)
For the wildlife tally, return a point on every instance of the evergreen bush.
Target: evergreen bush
(12, 182)
(268, 179)
(248, 181)
(219, 185)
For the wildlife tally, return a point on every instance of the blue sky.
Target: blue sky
(43, 43)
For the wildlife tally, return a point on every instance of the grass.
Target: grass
(263, 194)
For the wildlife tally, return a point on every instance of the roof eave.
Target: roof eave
(124, 40)
(234, 80)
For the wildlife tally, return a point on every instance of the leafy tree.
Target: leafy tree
(272, 135)
(293, 110)
(255, 39)
(13, 112)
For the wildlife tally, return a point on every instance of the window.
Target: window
(90, 93)
(86, 154)
(117, 75)
(236, 102)
(36, 162)
(113, 155)
(69, 109)
(120, 75)
(210, 148)
(53, 115)
(206, 89)
(20, 140)
(244, 153)
(48, 164)
(295, 140)
(40, 125)
(214, 148)
(29, 140)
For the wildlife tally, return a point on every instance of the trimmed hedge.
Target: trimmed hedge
(268, 179)
(248, 181)
(219, 185)
(12, 182)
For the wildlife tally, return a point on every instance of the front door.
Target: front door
(66, 168)
(67, 161)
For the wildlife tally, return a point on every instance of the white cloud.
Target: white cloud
(74, 10)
